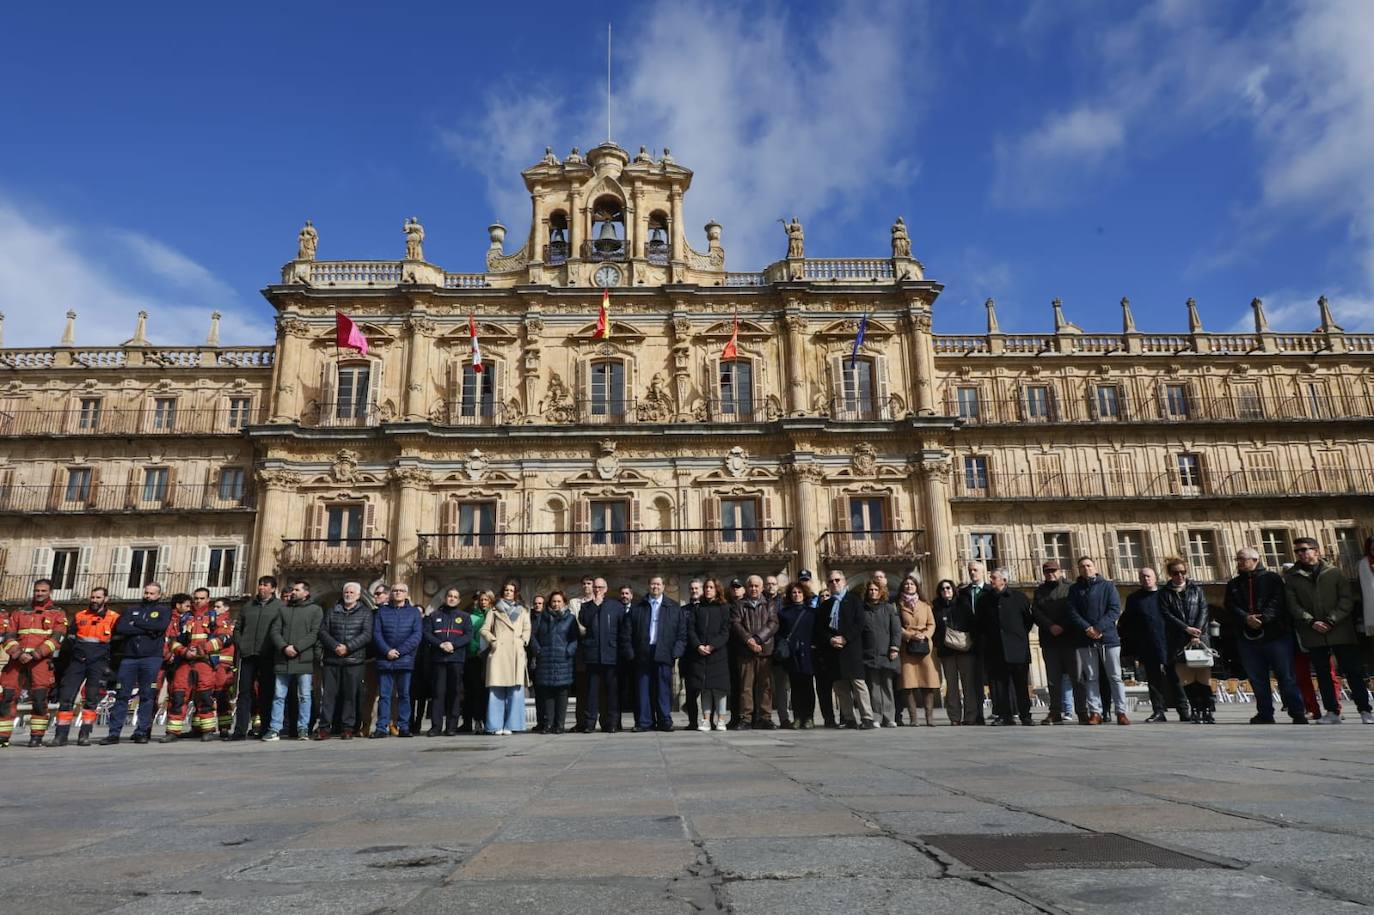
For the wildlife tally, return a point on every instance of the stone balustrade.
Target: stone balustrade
(1080, 344)
(123, 357)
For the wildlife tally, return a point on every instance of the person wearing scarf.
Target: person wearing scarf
(507, 632)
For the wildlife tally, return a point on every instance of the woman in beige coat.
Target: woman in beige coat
(920, 673)
(507, 632)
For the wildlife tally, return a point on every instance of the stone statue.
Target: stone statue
(415, 237)
(901, 242)
(657, 405)
(549, 157)
(307, 242)
(795, 239)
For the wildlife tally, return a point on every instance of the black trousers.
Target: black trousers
(341, 696)
(1165, 690)
(602, 676)
(1351, 667)
(1010, 687)
(803, 696)
(475, 689)
(446, 690)
(254, 671)
(551, 707)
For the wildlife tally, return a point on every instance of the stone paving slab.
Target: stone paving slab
(863, 895)
(589, 858)
(844, 856)
(1127, 892)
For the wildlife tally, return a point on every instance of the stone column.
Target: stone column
(417, 366)
(938, 519)
(805, 477)
(405, 540)
(275, 490)
(292, 334)
(923, 363)
(678, 240)
(795, 368)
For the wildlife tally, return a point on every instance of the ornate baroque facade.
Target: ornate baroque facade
(645, 452)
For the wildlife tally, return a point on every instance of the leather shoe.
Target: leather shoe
(1094, 718)
(638, 729)
(1122, 719)
(1264, 719)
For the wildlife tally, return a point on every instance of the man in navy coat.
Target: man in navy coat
(605, 623)
(658, 634)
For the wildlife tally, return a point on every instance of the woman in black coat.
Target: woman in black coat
(708, 634)
(1187, 617)
(553, 648)
(796, 621)
(963, 699)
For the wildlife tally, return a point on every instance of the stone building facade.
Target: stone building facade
(644, 450)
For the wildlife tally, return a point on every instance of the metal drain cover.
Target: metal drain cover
(1060, 850)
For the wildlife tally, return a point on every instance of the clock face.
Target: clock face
(606, 276)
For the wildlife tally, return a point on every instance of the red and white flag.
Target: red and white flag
(603, 320)
(348, 335)
(476, 349)
(731, 350)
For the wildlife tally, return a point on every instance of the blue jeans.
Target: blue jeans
(393, 699)
(140, 672)
(1262, 658)
(505, 708)
(304, 682)
(654, 694)
(1088, 673)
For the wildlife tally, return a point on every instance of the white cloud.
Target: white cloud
(778, 115)
(1035, 169)
(47, 267)
(1287, 310)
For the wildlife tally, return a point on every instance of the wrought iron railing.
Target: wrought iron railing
(372, 553)
(886, 545)
(646, 545)
(94, 496)
(141, 422)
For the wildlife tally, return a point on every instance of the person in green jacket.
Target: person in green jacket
(255, 681)
(475, 671)
(295, 638)
(1321, 602)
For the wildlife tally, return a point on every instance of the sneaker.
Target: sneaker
(1366, 717)
(269, 736)
(1328, 718)
(718, 726)
(703, 726)
(867, 726)
(303, 736)
(1156, 718)
(889, 724)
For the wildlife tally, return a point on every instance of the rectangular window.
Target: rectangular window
(1048, 475)
(231, 484)
(966, 399)
(1190, 472)
(1276, 546)
(343, 524)
(239, 411)
(477, 523)
(976, 474)
(88, 420)
(1349, 550)
(1248, 403)
(867, 517)
(737, 388)
(354, 389)
(1055, 545)
(164, 414)
(142, 567)
(1262, 472)
(1038, 403)
(608, 389)
(1119, 472)
(982, 546)
(739, 520)
(78, 484)
(1318, 401)
(1202, 555)
(858, 388)
(1333, 475)
(1108, 397)
(223, 561)
(609, 522)
(1130, 553)
(479, 391)
(64, 569)
(155, 484)
(1176, 404)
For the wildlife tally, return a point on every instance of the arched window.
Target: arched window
(557, 252)
(608, 229)
(657, 248)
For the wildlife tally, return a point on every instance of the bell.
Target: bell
(657, 236)
(607, 232)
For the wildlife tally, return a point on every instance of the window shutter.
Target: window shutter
(582, 393)
(164, 556)
(329, 384)
(93, 498)
(498, 368)
(841, 509)
(83, 569)
(1252, 538)
(57, 491)
(501, 527)
(6, 494)
(880, 389)
(240, 562)
(448, 516)
(369, 520)
(132, 491)
(200, 566)
(766, 519)
(1181, 545)
(895, 523)
(317, 515)
(1109, 563)
(836, 385)
(1034, 547)
(1224, 550)
(715, 397)
(42, 562)
(1150, 548)
(453, 390)
(628, 395)
(170, 500)
(1022, 405)
(582, 522)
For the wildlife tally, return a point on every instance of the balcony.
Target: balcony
(877, 546)
(371, 554)
(99, 497)
(341, 415)
(847, 409)
(1191, 410)
(700, 545)
(739, 410)
(18, 587)
(1167, 485)
(467, 413)
(118, 422)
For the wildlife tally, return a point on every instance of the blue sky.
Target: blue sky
(164, 156)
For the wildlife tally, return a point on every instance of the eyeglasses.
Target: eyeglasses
(1178, 571)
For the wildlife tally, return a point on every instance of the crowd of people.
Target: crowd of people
(748, 654)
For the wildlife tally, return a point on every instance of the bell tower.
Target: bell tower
(608, 220)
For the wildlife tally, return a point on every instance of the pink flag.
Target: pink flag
(347, 334)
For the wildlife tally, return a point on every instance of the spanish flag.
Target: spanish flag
(603, 320)
(731, 350)
(476, 349)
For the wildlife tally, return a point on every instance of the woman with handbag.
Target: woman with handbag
(954, 644)
(1187, 616)
(792, 654)
(920, 673)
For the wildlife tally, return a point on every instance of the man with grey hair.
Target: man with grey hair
(1256, 603)
(345, 634)
(1003, 615)
(754, 623)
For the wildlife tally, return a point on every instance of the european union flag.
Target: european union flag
(858, 340)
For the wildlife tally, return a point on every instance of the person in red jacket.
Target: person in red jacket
(31, 638)
(224, 667)
(195, 636)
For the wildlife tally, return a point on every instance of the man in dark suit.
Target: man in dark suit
(606, 642)
(1004, 622)
(658, 635)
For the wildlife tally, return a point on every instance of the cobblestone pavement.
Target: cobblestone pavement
(1272, 819)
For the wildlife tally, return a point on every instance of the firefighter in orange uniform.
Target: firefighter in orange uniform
(31, 638)
(87, 669)
(221, 646)
(194, 640)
